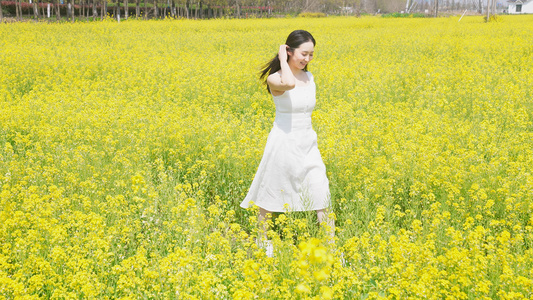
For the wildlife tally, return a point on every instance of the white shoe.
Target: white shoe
(340, 254)
(342, 260)
(269, 248)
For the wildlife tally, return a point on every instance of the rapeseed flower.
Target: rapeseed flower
(126, 148)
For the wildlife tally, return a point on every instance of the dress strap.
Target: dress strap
(309, 75)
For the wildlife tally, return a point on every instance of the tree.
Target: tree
(174, 9)
(115, 6)
(357, 6)
(145, 10)
(36, 9)
(1, 13)
(126, 9)
(95, 12)
(179, 8)
(72, 15)
(103, 9)
(18, 10)
(117, 9)
(236, 8)
(491, 10)
(82, 9)
(69, 12)
(58, 10)
(310, 5)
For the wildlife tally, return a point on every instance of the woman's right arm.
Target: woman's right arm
(286, 81)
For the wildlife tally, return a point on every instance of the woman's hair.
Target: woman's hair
(294, 40)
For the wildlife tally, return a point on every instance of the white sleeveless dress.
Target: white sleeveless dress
(291, 175)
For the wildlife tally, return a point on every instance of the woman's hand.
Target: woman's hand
(282, 53)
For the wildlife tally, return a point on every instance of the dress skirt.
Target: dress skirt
(291, 175)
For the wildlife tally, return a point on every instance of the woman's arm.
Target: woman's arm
(286, 81)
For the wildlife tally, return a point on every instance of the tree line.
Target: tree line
(204, 9)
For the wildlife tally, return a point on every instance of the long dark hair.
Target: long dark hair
(294, 40)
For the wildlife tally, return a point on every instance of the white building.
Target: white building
(520, 6)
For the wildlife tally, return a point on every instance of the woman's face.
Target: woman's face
(302, 55)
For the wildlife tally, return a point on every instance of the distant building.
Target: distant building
(520, 6)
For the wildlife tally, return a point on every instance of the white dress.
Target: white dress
(291, 175)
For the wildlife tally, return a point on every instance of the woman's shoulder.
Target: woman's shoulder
(310, 75)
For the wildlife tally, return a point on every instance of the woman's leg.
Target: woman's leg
(322, 216)
(262, 219)
(262, 241)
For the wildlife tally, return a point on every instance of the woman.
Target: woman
(291, 175)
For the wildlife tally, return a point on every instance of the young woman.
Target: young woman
(291, 175)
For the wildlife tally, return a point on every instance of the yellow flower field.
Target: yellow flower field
(126, 148)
